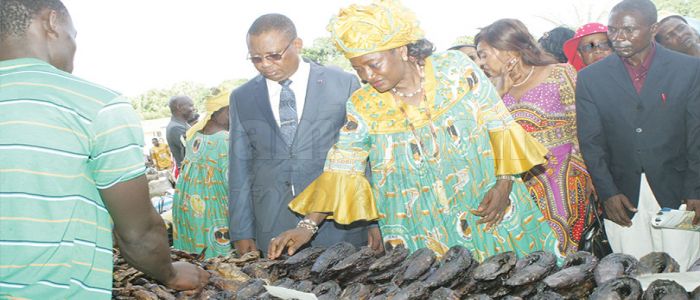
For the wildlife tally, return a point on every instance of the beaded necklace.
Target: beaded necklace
(433, 131)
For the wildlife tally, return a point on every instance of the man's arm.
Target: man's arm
(141, 236)
(595, 150)
(242, 219)
(691, 184)
(592, 141)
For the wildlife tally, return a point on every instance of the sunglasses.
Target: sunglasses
(271, 56)
(590, 47)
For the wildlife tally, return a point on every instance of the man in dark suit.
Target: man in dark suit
(283, 122)
(638, 116)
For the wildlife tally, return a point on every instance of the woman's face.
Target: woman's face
(221, 117)
(491, 60)
(383, 70)
(594, 47)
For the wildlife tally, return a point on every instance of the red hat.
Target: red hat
(570, 46)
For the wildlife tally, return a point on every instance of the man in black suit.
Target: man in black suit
(638, 116)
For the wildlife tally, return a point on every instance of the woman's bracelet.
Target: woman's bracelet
(505, 177)
(308, 224)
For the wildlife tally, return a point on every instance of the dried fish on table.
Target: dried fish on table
(623, 288)
(615, 265)
(330, 257)
(658, 262)
(662, 289)
(415, 265)
(356, 291)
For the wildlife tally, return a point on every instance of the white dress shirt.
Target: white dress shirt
(300, 79)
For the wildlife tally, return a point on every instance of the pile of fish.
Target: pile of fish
(344, 272)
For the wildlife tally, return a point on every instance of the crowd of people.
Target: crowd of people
(506, 143)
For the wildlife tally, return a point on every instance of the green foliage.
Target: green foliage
(324, 52)
(153, 104)
(688, 8)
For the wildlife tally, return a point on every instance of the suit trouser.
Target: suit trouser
(641, 238)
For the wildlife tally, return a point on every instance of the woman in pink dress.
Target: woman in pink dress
(539, 92)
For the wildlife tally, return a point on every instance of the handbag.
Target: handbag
(594, 239)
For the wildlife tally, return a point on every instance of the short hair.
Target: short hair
(273, 22)
(512, 35)
(553, 42)
(174, 101)
(674, 17)
(644, 7)
(17, 15)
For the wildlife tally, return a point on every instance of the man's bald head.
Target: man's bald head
(181, 107)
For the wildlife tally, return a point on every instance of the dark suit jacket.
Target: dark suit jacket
(263, 169)
(622, 133)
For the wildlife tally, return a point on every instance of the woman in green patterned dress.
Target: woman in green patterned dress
(200, 204)
(444, 151)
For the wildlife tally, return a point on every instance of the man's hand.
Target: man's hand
(493, 207)
(616, 208)
(374, 239)
(694, 204)
(291, 239)
(244, 246)
(187, 277)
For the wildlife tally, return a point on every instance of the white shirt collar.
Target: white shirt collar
(300, 81)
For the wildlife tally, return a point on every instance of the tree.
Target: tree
(153, 104)
(323, 52)
(688, 8)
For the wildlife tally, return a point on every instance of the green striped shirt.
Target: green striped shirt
(61, 140)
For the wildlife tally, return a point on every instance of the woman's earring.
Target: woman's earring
(405, 58)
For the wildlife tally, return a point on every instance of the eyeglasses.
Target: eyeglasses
(592, 46)
(270, 57)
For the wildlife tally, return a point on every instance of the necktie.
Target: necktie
(288, 112)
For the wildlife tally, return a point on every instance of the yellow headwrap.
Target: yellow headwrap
(212, 104)
(382, 25)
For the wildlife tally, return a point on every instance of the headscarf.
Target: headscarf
(382, 25)
(211, 105)
(571, 46)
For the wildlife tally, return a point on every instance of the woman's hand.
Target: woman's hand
(374, 238)
(291, 239)
(493, 207)
(590, 190)
(503, 81)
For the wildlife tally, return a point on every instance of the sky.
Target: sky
(132, 46)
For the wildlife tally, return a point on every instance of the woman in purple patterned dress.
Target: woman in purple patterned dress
(539, 92)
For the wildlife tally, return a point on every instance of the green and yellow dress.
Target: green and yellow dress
(432, 165)
(200, 203)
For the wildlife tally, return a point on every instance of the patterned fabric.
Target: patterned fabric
(427, 186)
(288, 112)
(200, 203)
(161, 157)
(547, 111)
(381, 25)
(62, 139)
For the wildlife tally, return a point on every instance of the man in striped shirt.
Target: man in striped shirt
(71, 159)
